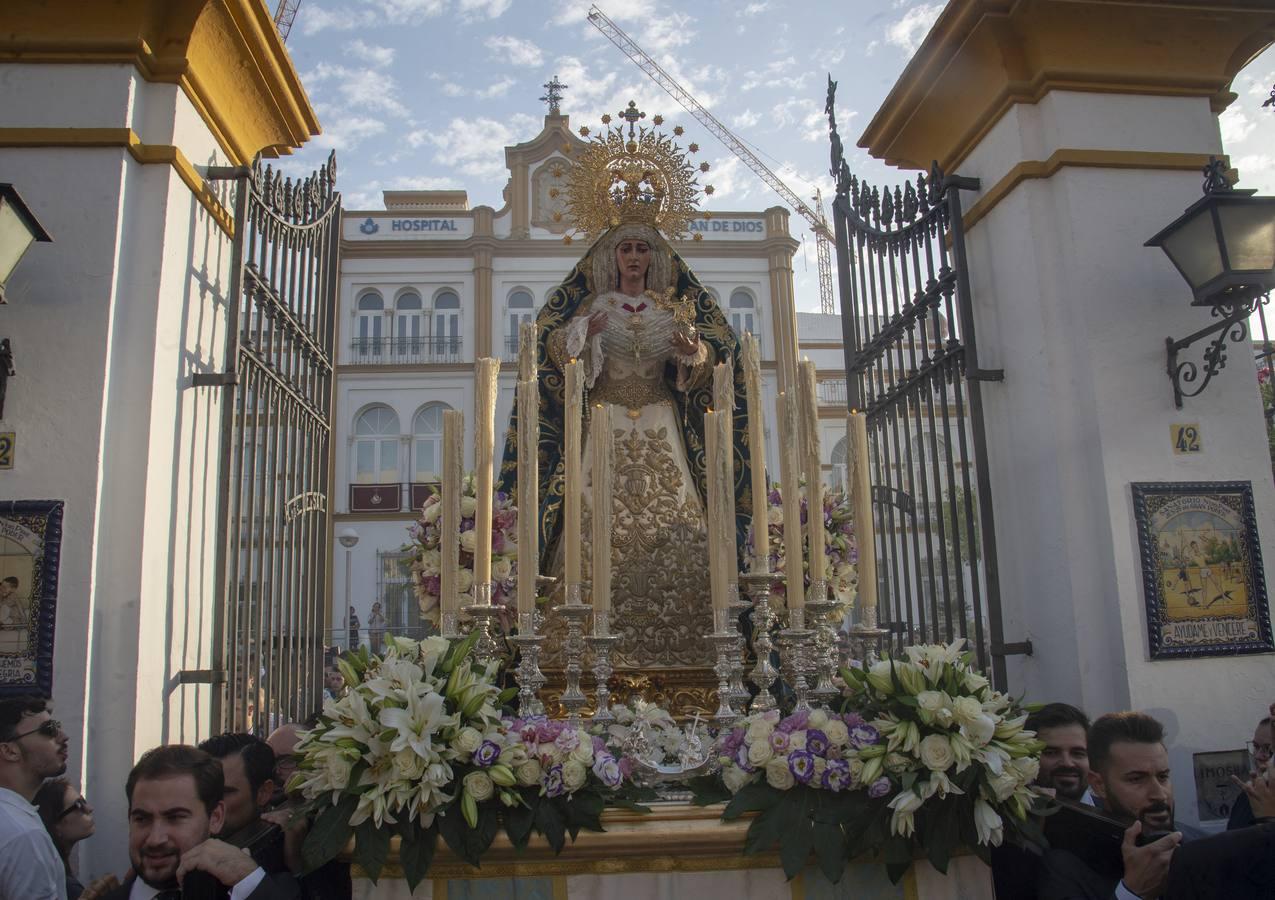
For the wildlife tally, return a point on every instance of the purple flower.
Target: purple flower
(732, 742)
(627, 765)
(817, 742)
(879, 788)
(553, 785)
(741, 758)
(852, 719)
(599, 745)
(802, 765)
(836, 777)
(487, 754)
(608, 770)
(567, 740)
(863, 736)
(433, 585)
(779, 741)
(795, 722)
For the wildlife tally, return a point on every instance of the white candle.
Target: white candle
(757, 454)
(860, 478)
(712, 481)
(452, 478)
(527, 351)
(528, 494)
(790, 489)
(572, 485)
(484, 459)
(814, 466)
(600, 444)
(724, 406)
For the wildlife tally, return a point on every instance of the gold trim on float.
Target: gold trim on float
(146, 154)
(1087, 159)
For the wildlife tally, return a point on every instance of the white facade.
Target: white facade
(468, 276)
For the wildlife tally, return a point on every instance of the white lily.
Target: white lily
(417, 724)
(987, 821)
(905, 805)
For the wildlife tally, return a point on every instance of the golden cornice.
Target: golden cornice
(225, 55)
(983, 56)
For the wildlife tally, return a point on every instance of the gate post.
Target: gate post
(1084, 148)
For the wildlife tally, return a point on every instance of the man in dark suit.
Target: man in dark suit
(247, 765)
(1129, 775)
(174, 806)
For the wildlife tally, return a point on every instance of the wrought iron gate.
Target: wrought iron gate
(912, 367)
(275, 446)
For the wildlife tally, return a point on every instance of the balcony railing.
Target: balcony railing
(404, 351)
(832, 392)
(391, 497)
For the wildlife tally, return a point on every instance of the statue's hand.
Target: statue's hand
(685, 344)
(597, 322)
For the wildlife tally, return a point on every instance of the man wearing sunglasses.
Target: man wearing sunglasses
(32, 748)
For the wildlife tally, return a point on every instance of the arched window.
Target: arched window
(840, 474)
(447, 324)
(371, 312)
(742, 312)
(376, 437)
(427, 442)
(409, 325)
(522, 308)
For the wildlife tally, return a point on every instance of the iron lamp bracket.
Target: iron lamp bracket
(1231, 328)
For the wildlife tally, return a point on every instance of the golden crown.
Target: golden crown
(642, 177)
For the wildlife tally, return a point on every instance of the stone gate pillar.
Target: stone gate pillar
(1088, 124)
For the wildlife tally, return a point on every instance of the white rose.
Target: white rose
(583, 751)
(974, 682)
(897, 763)
(760, 753)
(759, 730)
(966, 710)
(980, 731)
(501, 569)
(467, 507)
(432, 512)
(931, 701)
(777, 774)
(1004, 785)
(775, 516)
(468, 540)
(468, 740)
(464, 578)
(514, 756)
(837, 732)
(818, 719)
(408, 765)
(797, 741)
(735, 778)
(438, 774)
(479, 786)
(528, 773)
(936, 753)
(431, 560)
(573, 775)
(821, 766)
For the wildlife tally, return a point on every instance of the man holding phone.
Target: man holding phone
(1129, 775)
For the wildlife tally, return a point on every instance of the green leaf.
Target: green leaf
(907, 700)
(478, 839)
(506, 695)
(707, 790)
(583, 811)
(763, 833)
(796, 837)
(416, 853)
(371, 848)
(898, 857)
(330, 834)
(751, 798)
(853, 673)
(352, 785)
(519, 821)
(451, 825)
(944, 835)
(552, 823)
(830, 850)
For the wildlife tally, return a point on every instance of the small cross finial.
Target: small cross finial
(631, 114)
(553, 95)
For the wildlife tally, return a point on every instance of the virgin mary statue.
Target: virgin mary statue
(648, 336)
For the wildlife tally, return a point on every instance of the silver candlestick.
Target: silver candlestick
(736, 605)
(758, 585)
(574, 612)
(819, 607)
(530, 678)
(865, 636)
(602, 642)
(483, 612)
(724, 639)
(449, 627)
(795, 656)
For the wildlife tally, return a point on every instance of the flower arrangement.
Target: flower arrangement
(923, 755)
(417, 746)
(426, 537)
(841, 553)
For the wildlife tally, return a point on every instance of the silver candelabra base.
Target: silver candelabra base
(759, 585)
(573, 613)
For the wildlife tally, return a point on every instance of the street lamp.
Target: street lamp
(19, 229)
(1224, 246)
(348, 539)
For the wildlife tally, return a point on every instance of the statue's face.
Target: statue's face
(632, 259)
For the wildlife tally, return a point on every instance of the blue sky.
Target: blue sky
(421, 94)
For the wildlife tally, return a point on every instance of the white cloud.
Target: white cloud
(345, 131)
(367, 14)
(496, 89)
(732, 182)
(666, 32)
(514, 50)
(480, 9)
(801, 116)
(1257, 170)
(778, 73)
(1235, 125)
(871, 48)
(908, 32)
(360, 89)
(583, 87)
(753, 9)
(572, 11)
(452, 89)
(477, 146)
(370, 53)
(746, 119)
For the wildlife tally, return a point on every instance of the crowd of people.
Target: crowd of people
(214, 821)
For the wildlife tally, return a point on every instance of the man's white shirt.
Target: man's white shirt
(143, 891)
(30, 868)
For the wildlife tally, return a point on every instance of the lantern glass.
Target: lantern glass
(15, 238)
(1194, 249)
(1249, 233)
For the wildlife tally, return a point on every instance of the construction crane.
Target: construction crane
(818, 221)
(284, 15)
